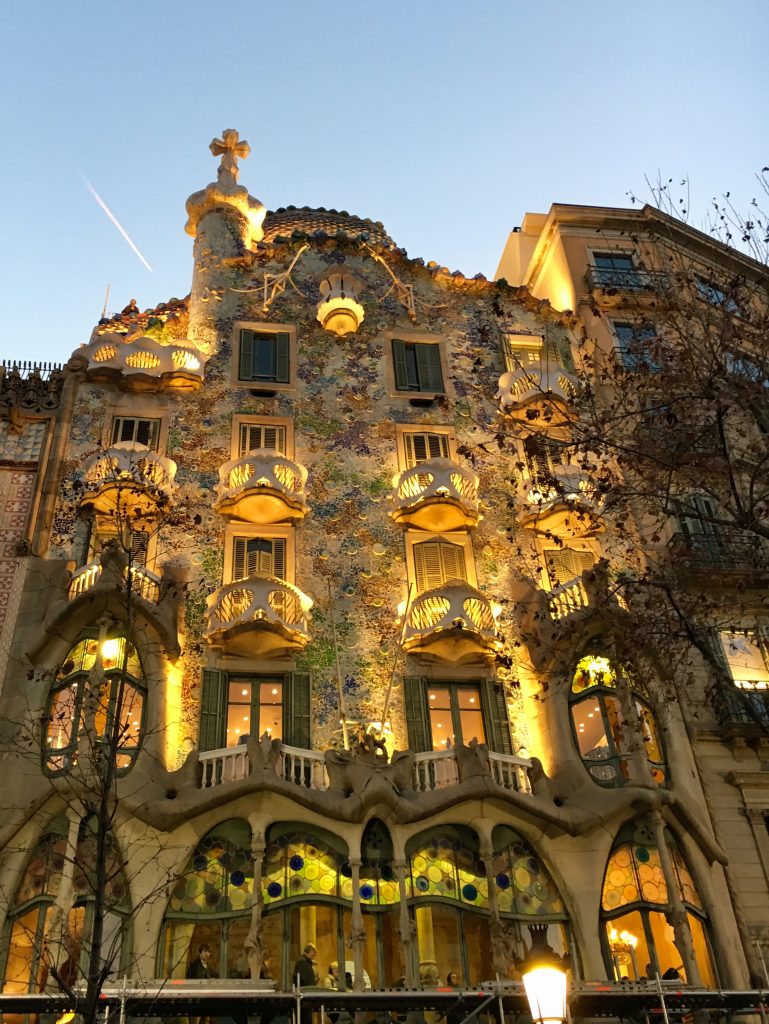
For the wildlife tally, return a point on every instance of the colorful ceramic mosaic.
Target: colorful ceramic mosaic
(634, 874)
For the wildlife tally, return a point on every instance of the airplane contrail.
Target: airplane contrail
(115, 221)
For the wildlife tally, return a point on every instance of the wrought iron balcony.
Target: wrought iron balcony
(740, 712)
(436, 495)
(128, 479)
(624, 279)
(262, 487)
(260, 616)
(722, 550)
(453, 622)
(536, 382)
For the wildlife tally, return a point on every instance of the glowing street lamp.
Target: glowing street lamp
(544, 978)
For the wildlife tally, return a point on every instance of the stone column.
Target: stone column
(428, 965)
(254, 948)
(406, 927)
(500, 942)
(357, 929)
(676, 915)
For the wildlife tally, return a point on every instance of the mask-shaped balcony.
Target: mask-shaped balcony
(128, 479)
(559, 501)
(262, 487)
(451, 623)
(537, 384)
(260, 616)
(436, 495)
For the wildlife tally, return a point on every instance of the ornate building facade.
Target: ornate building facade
(303, 567)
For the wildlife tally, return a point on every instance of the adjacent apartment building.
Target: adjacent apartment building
(339, 596)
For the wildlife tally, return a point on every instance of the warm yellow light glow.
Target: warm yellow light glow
(401, 609)
(110, 649)
(245, 692)
(496, 609)
(173, 714)
(622, 940)
(65, 1018)
(546, 993)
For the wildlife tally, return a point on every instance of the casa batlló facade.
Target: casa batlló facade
(284, 554)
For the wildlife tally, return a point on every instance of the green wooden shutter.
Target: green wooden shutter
(416, 713)
(452, 562)
(399, 364)
(564, 564)
(297, 709)
(239, 559)
(278, 566)
(246, 371)
(213, 710)
(282, 367)
(495, 713)
(429, 367)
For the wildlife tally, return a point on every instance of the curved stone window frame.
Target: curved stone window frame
(36, 896)
(66, 714)
(595, 679)
(640, 913)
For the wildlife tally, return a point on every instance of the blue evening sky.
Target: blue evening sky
(445, 120)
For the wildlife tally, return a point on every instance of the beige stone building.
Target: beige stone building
(295, 558)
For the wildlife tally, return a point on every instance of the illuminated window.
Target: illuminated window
(635, 898)
(115, 704)
(254, 707)
(604, 730)
(746, 656)
(442, 714)
(26, 967)
(417, 366)
(456, 715)
(520, 350)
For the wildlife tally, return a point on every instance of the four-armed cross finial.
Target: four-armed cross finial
(230, 149)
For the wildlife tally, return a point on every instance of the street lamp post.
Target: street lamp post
(544, 978)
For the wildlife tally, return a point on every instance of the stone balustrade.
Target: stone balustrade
(567, 598)
(144, 583)
(262, 487)
(438, 494)
(271, 607)
(534, 382)
(433, 769)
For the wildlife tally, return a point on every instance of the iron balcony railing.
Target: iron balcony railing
(627, 279)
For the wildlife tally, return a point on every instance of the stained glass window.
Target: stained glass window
(119, 685)
(300, 864)
(634, 875)
(219, 877)
(446, 865)
(523, 884)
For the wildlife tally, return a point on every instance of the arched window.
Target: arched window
(605, 720)
(526, 893)
(635, 896)
(27, 955)
(211, 903)
(448, 891)
(112, 699)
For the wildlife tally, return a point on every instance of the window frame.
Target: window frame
(403, 430)
(119, 419)
(756, 639)
(410, 337)
(138, 407)
(630, 362)
(463, 541)
(285, 423)
(262, 327)
(632, 278)
(547, 553)
(255, 679)
(525, 341)
(251, 531)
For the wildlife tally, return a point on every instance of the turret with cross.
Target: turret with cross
(231, 149)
